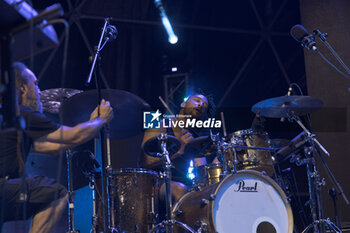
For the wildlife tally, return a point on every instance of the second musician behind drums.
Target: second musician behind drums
(196, 106)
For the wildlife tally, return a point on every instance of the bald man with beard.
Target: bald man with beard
(23, 196)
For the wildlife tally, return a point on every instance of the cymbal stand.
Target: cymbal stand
(71, 194)
(110, 188)
(315, 182)
(223, 148)
(92, 185)
(168, 224)
(220, 153)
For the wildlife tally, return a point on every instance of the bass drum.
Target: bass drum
(245, 202)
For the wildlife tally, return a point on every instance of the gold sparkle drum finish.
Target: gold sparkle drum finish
(258, 160)
(245, 202)
(207, 174)
(135, 196)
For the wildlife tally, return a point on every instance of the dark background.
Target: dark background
(238, 51)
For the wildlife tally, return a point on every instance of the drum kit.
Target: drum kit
(238, 194)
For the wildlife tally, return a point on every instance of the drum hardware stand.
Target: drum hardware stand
(334, 195)
(90, 171)
(109, 32)
(224, 160)
(219, 153)
(71, 194)
(323, 38)
(168, 224)
(92, 185)
(110, 189)
(203, 227)
(315, 183)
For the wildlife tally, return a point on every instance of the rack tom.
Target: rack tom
(207, 174)
(259, 160)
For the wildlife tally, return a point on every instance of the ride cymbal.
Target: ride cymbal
(286, 106)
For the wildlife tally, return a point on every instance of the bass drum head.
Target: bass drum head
(249, 202)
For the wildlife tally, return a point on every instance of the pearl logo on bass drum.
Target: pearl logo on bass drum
(242, 187)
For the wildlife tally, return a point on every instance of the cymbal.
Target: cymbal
(286, 106)
(200, 147)
(153, 146)
(53, 98)
(128, 111)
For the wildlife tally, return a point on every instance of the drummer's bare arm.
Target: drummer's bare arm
(200, 161)
(184, 136)
(216, 160)
(50, 148)
(67, 137)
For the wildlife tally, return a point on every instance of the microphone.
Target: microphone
(293, 145)
(111, 33)
(300, 34)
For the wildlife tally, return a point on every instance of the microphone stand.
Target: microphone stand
(315, 182)
(323, 38)
(106, 171)
(98, 50)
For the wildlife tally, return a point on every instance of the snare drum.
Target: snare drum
(135, 197)
(245, 202)
(207, 174)
(258, 160)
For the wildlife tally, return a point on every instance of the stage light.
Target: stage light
(185, 99)
(190, 173)
(172, 38)
(173, 69)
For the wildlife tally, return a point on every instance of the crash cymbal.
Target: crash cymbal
(152, 146)
(200, 147)
(53, 98)
(286, 106)
(128, 111)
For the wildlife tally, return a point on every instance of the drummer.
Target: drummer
(196, 106)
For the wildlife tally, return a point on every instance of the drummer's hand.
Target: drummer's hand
(186, 136)
(106, 111)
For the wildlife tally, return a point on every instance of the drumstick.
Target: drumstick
(167, 107)
(171, 113)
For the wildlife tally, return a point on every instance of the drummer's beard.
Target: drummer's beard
(33, 101)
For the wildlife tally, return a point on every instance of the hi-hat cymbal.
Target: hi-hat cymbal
(128, 111)
(53, 98)
(153, 148)
(286, 106)
(200, 147)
